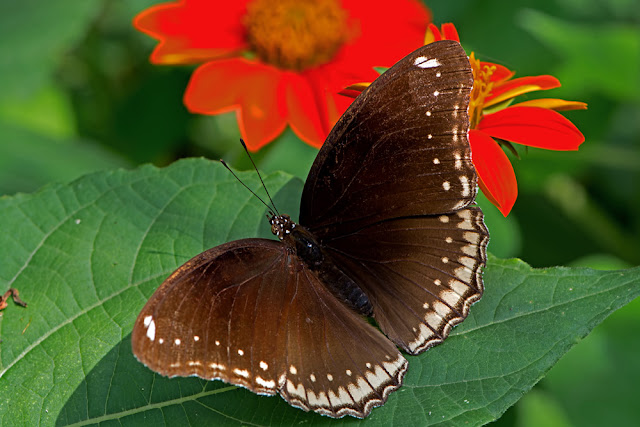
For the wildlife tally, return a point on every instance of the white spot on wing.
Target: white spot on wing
(458, 287)
(151, 330)
(312, 378)
(450, 297)
(266, 384)
(330, 377)
(240, 352)
(318, 401)
(295, 391)
(446, 186)
(217, 366)
(241, 372)
(177, 341)
(464, 273)
(147, 320)
(293, 370)
(361, 390)
(471, 237)
(264, 365)
(196, 338)
(424, 62)
(458, 163)
(466, 188)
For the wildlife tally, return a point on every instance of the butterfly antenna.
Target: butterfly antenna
(245, 186)
(258, 172)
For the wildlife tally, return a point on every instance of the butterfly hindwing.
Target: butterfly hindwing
(421, 274)
(252, 314)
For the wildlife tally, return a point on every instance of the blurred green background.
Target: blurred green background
(77, 94)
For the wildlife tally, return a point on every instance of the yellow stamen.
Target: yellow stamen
(482, 86)
(296, 34)
(554, 104)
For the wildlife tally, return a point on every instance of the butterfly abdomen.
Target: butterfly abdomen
(306, 246)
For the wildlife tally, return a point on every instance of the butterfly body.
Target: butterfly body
(303, 243)
(387, 229)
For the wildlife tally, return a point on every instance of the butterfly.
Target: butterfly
(388, 230)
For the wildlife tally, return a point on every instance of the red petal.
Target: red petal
(500, 72)
(497, 178)
(449, 31)
(432, 35)
(405, 23)
(307, 108)
(249, 88)
(312, 110)
(512, 88)
(193, 31)
(532, 126)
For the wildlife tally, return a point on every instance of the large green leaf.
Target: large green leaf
(86, 256)
(29, 160)
(35, 34)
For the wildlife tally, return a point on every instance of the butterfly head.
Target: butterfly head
(281, 225)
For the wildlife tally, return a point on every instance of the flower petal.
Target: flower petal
(193, 31)
(532, 126)
(404, 23)
(449, 31)
(500, 72)
(311, 112)
(553, 104)
(432, 34)
(496, 176)
(512, 88)
(352, 91)
(249, 88)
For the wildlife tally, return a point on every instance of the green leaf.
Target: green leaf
(86, 256)
(29, 160)
(35, 35)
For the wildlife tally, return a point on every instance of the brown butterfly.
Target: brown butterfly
(387, 229)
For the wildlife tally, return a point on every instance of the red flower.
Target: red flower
(280, 62)
(494, 121)
(534, 123)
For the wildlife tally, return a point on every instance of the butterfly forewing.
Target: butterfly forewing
(401, 148)
(272, 328)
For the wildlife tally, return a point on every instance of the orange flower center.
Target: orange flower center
(296, 34)
(482, 86)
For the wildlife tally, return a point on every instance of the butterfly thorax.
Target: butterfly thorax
(298, 240)
(304, 244)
